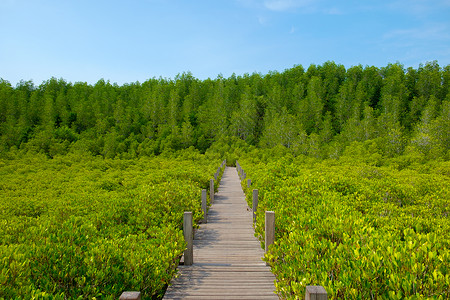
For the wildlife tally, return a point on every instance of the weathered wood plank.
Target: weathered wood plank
(223, 292)
(228, 258)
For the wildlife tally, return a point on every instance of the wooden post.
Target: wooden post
(211, 190)
(270, 229)
(249, 183)
(188, 237)
(216, 175)
(204, 208)
(255, 205)
(315, 293)
(130, 296)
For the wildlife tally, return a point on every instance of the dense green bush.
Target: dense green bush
(80, 226)
(359, 230)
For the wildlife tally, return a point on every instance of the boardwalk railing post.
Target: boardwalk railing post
(315, 293)
(239, 169)
(249, 183)
(216, 175)
(269, 229)
(255, 205)
(130, 296)
(188, 237)
(211, 190)
(204, 208)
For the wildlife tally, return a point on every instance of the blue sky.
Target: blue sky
(134, 40)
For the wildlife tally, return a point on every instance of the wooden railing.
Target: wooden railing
(312, 292)
(187, 231)
(187, 219)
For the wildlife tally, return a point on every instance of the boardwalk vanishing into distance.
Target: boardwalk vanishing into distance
(227, 257)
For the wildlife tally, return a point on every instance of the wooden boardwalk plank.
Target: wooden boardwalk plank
(227, 256)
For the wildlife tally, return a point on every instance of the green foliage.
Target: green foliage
(317, 113)
(360, 230)
(94, 178)
(78, 226)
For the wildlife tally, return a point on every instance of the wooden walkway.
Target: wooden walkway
(227, 256)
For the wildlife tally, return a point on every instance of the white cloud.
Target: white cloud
(262, 20)
(430, 32)
(247, 3)
(333, 11)
(417, 45)
(305, 6)
(285, 5)
(419, 8)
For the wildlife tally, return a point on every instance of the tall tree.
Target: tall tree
(432, 135)
(311, 107)
(173, 108)
(244, 119)
(429, 81)
(332, 76)
(213, 121)
(394, 95)
(280, 129)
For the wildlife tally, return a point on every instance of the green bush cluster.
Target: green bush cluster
(86, 227)
(359, 230)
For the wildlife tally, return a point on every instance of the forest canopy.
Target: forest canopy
(318, 111)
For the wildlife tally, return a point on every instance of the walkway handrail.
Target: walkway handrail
(311, 292)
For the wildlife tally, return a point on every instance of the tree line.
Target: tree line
(318, 111)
